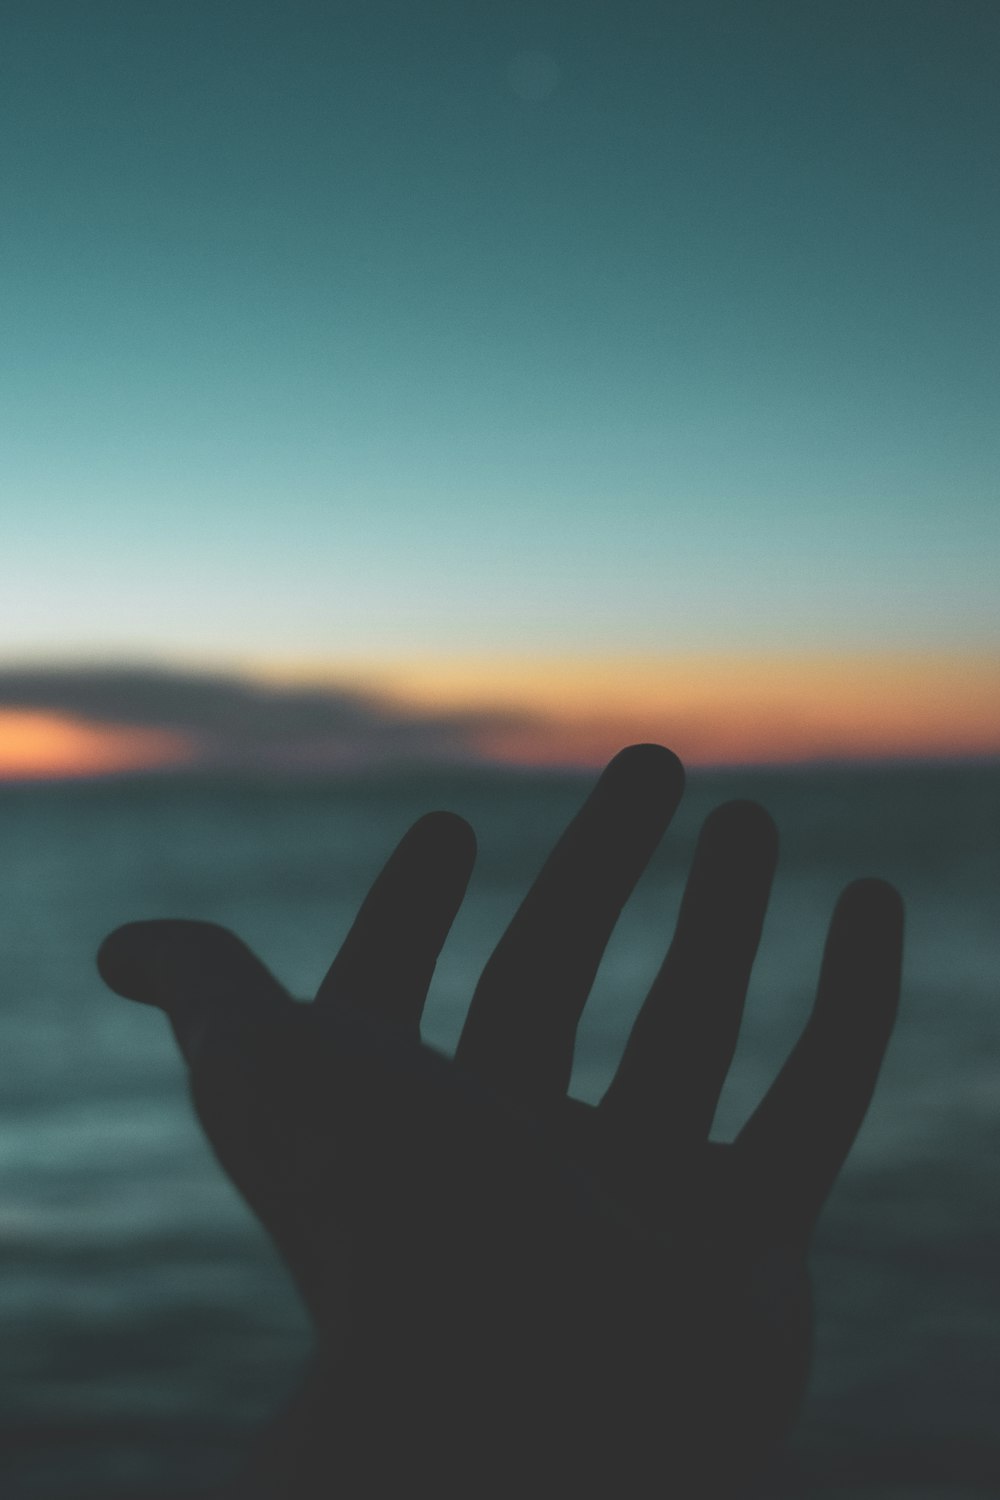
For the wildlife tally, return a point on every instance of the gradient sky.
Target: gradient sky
(362, 337)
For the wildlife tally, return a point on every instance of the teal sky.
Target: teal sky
(369, 329)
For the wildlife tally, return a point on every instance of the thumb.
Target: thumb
(196, 971)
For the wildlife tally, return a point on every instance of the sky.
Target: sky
(557, 374)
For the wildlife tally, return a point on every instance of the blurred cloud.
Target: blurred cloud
(79, 719)
(227, 720)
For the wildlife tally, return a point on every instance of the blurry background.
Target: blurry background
(406, 405)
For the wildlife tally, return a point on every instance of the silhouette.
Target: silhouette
(516, 1293)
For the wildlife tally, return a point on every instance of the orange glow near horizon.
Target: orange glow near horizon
(711, 709)
(779, 711)
(38, 746)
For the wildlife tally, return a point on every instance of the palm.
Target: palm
(598, 1287)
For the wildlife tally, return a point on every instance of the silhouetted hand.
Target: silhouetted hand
(516, 1293)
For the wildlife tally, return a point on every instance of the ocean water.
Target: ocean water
(148, 1326)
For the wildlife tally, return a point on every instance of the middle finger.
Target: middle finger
(522, 1022)
(670, 1077)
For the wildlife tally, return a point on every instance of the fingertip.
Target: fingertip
(447, 830)
(648, 770)
(170, 961)
(872, 897)
(646, 754)
(862, 964)
(869, 918)
(126, 964)
(744, 810)
(747, 821)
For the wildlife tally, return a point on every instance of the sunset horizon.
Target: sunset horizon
(83, 720)
(498, 393)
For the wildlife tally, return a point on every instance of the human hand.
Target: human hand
(514, 1290)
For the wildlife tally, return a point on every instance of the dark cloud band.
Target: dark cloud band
(233, 720)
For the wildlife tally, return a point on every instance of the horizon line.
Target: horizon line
(490, 766)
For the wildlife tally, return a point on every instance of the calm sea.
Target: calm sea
(146, 1323)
